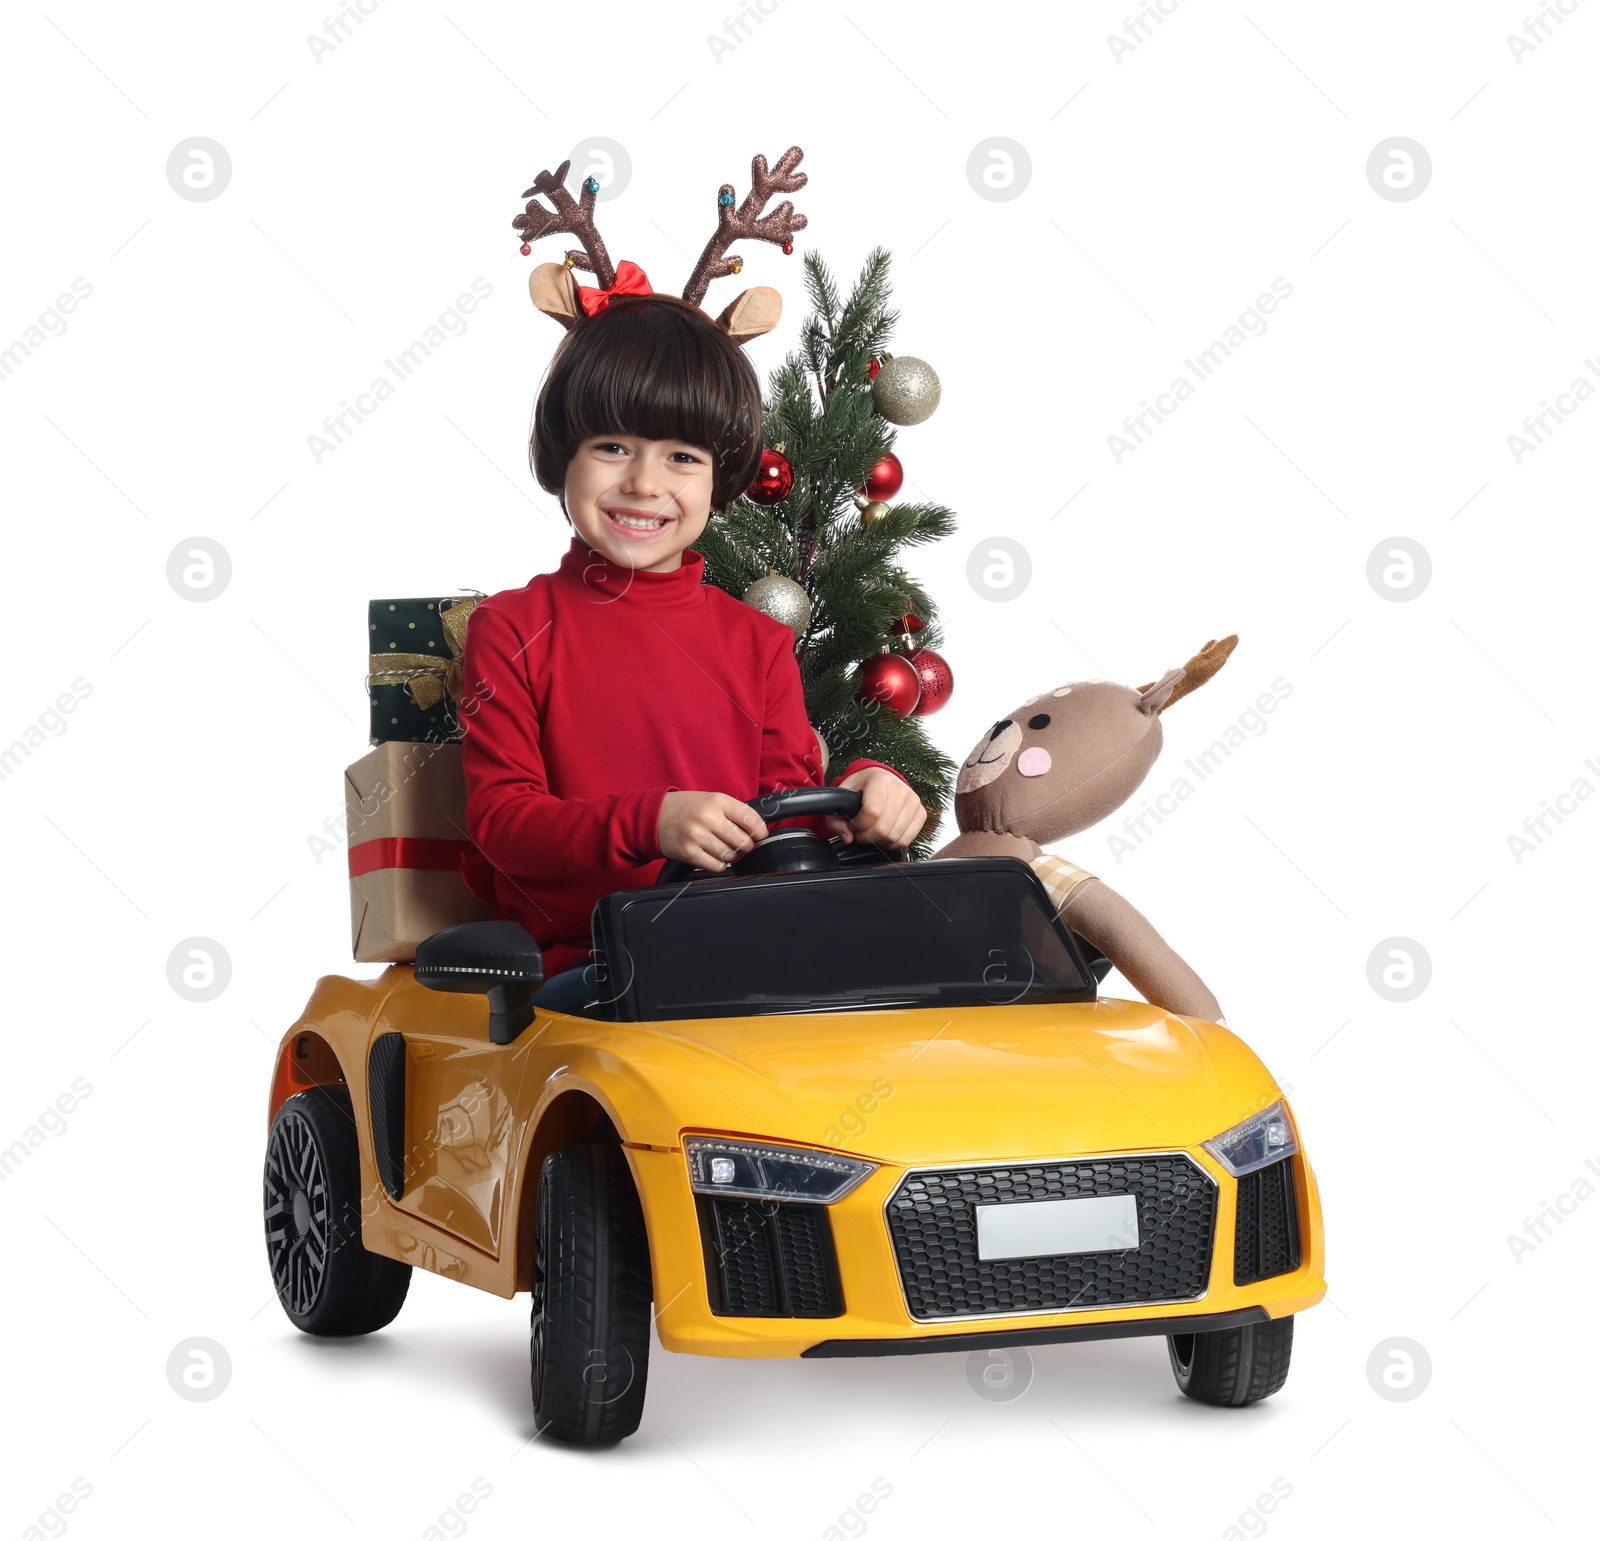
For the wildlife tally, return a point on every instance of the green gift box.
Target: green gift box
(414, 651)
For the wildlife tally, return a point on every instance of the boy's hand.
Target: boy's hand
(890, 811)
(707, 829)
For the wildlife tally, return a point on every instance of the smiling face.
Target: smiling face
(1060, 762)
(639, 502)
(650, 407)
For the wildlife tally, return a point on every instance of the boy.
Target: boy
(620, 710)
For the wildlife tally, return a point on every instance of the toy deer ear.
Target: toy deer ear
(755, 312)
(555, 292)
(1156, 697)
(1175, 684)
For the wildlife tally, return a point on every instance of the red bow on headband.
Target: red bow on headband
(630, 279)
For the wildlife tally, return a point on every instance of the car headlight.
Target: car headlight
(1257, 1142)
(743, 1170)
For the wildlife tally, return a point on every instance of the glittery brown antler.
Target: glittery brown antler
(747, 222)
(574, 216)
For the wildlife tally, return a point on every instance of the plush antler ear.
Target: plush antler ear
(1156, 697)
(555, 292)
(754, 313)
(1175, 684)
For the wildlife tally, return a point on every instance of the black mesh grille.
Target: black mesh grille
(1268, 1237)
(744, 1259)
(935, 1233)
(767, 1259)
(806, 1246)
(386, 1096)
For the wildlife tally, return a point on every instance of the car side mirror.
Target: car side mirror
(497, 958)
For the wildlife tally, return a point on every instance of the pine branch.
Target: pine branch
(868, 302)
(821, 290)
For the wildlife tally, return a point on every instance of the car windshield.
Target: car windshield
(948, 932)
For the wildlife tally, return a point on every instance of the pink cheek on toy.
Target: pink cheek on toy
(1033, 762)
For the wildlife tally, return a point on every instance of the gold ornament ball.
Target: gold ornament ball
(905, 391)
(871, 513)
(781, 598)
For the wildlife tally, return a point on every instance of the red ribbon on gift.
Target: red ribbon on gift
(412, 852)
(630, 279)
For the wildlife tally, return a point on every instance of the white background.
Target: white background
(1168, 188)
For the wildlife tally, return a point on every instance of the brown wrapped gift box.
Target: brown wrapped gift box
(405, 807)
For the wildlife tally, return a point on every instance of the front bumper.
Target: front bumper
(1021, 1337)
(873, 1315)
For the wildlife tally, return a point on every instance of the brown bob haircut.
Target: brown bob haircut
(652, 367)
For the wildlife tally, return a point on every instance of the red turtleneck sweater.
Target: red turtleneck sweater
(588, 696)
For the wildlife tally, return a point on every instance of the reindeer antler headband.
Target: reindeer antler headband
(559, 295)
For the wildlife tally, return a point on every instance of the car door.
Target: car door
(460, 1129)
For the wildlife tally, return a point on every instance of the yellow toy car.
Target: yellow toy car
(826, 1103)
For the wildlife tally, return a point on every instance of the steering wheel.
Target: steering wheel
(789, 850)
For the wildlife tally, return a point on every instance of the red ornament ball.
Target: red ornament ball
(937, 681)
(885, 479)
(788, 248)
(774, 481)
(906, 625)
(527, 251)
(872, 370)
(890, 679)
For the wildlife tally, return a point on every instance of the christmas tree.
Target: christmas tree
(819, 517)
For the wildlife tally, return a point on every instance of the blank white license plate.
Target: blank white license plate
(1054, 1227)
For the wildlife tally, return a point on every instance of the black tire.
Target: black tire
(1235, 1367)
(590, 1335)
(328, 1284)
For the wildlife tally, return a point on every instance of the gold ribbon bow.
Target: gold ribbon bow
(427, 677)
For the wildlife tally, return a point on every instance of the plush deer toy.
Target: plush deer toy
(1060, 762)
(560, 296)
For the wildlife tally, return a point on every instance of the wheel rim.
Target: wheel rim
(296, 1209)
(536, 1347)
